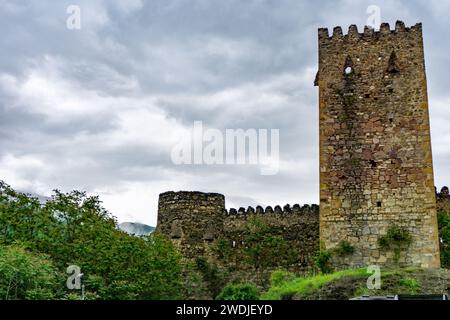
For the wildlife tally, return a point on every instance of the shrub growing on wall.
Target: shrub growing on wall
(396, 239)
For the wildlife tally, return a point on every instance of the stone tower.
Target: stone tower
(375, 152)
(191, 219)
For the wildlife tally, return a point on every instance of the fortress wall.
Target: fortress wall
(195, 221)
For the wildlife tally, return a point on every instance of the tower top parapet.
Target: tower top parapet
(369, 32)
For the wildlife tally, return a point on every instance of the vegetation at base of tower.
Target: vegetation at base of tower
(303, 286)
(39, 241)
(280, 276)
(246, 291)
(344, 248)
(322, 261)
(347, 284)
(444, 236)
(396, 238)
(323, 258)
(258, 248)
(409, 283)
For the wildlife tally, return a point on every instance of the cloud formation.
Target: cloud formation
(100, 108)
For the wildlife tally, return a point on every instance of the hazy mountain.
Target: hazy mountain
(135, 228)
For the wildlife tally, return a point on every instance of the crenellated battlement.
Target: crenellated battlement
(368, 33)
(277, 210)
(196, 221)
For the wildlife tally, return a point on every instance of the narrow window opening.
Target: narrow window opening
(373, 164)
(378, 203)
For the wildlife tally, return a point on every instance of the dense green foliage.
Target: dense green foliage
(25, 275)
(444, 235)
(74, 229)
(396, 238)
(322, 260)
(395, 235)
(278, 277)
(239, 292)
(344, 248)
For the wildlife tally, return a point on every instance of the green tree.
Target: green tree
(25, 275)
(74, 229)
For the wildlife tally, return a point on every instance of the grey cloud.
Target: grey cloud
(137, 69)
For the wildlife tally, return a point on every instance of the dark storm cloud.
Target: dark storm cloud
(100, 108)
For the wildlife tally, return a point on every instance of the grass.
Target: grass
(362, 291)
(409, 284)
(305, 286)
(412, 269)
(393, 281)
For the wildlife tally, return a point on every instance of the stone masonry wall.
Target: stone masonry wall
(190, 219)
(375, 152)
(298, 226)
(195, 221)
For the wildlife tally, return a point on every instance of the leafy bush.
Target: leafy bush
(344, 248)
(24, 275)
(239, 292)
(410, 284)
(396, 238)
(322, 261)
(74, 229)
(280, 276)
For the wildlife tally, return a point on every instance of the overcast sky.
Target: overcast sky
(99, 109)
